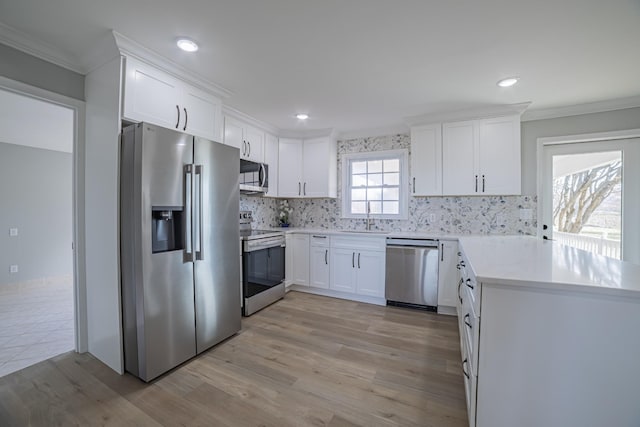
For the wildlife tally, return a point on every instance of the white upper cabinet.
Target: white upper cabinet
(426, 160)
(458, 158)
(481, 157)
(271, 159)
(290, 168)
(153, 96)
(499, 162)
(308, 168)
(319, 168)
(249, 140)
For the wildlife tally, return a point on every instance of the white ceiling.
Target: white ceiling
(35, 123)
(363, 64)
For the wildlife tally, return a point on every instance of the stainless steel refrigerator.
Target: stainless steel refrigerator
(179, 246)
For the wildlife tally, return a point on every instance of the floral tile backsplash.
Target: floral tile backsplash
(456, 215)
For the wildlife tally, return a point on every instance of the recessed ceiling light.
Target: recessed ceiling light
(508, 82)
(187, 45)
(302, 116)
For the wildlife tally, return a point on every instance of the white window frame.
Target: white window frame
(403, 197)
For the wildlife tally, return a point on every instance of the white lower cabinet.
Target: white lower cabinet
(448, 276)
(358, 265)
(319, 273)
(343, 267)
(300, 259)
(343, 272)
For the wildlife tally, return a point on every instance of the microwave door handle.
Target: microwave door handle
(188, 187)
(263, 175)
(199, 250)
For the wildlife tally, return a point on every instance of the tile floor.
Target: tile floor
(36, 322)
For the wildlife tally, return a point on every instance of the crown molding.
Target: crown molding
(307, 134)
(468, 114)
(397, 129)
(243, 117)
(577, 110)
(128, 47)
(28, 44)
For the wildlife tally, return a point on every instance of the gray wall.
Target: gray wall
(35, 189)
(587, 123)
(22, 67)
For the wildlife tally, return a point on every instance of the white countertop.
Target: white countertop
(373, 233)
(523, 260)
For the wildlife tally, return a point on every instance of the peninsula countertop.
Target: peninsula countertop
(529, 261)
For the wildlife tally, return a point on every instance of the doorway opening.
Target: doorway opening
(590, 196)
(37, 308)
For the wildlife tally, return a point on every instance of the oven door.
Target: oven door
(262, 271)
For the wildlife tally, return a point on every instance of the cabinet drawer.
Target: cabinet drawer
(320, 240)
(359, 243)
(470, 325)
(469, 281)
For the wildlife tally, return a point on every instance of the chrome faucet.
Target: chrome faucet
(369, 220)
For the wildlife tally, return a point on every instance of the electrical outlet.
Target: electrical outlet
(526, 214)
(500, 220)
(13, 232)
(13, 269)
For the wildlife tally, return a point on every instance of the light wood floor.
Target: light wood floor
(305, 361)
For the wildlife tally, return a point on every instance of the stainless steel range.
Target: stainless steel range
(262, 265)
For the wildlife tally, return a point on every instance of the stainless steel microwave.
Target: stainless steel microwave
(254, 177)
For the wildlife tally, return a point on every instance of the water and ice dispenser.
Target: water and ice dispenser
(167, 229)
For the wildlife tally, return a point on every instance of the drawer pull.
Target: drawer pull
(319, 237)
(460, 284)
(463, 370)
(468, 283)
(467, 317)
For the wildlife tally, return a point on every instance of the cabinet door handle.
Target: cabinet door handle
(326, 256)
(463, 370)
(460, 284)
(414, 184)
(467, 317)
(304, 189)
(353, 260)
(483, 183)
(468, 283)
(358, 259)
(441, 251)
(178, 122)
(476, 183)
(299, 190)
(186, 119)
(249, 144)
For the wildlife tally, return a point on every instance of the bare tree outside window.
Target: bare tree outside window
(578, 195)
(587, 201)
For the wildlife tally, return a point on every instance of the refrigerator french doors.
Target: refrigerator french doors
(179, 245)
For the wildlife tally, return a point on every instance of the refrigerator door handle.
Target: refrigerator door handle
(188, 242)
(199, 248)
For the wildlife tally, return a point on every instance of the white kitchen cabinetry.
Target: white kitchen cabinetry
(300, 259)
(271, 159)
(153, 96)
(319, 274)
(481, 157)
(358, 265)
(249, 140)
(426, 160)
(447, 277)
(307, 168)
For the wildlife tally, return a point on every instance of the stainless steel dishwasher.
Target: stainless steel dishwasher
(412, 273)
